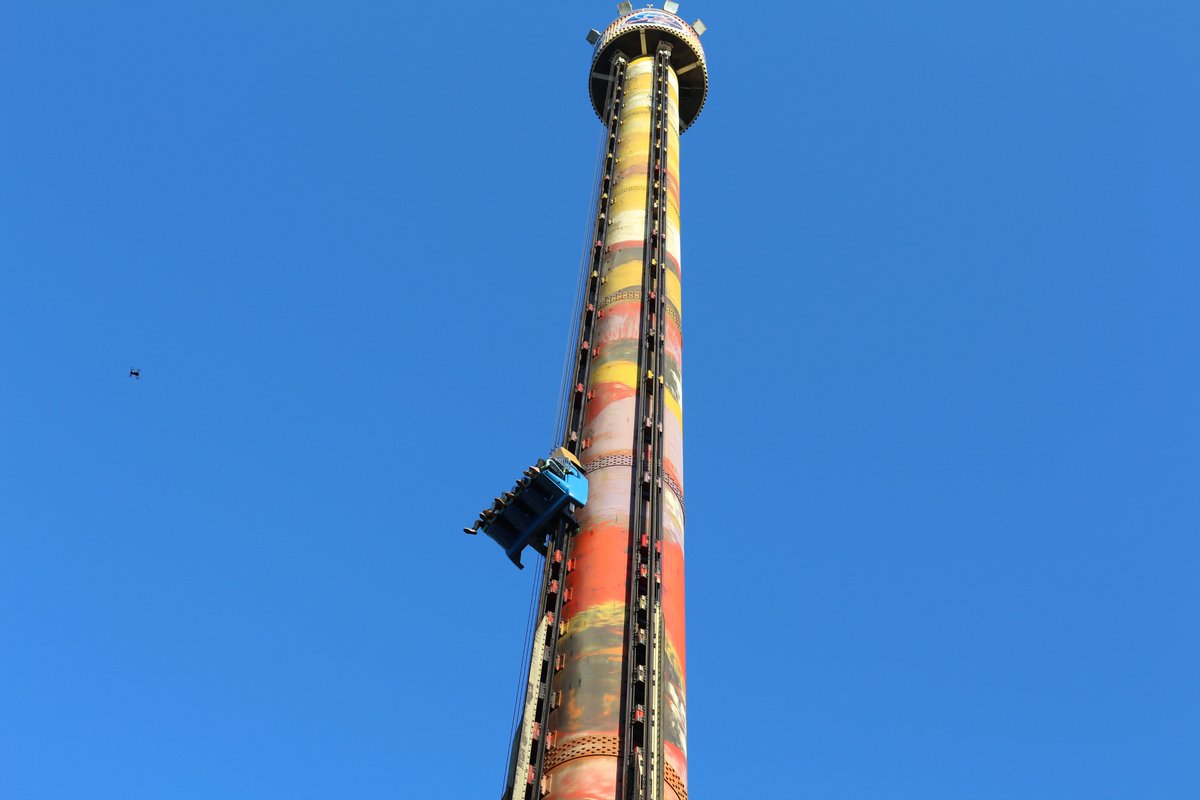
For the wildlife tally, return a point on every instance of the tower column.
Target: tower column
(586, 723)
(605, 714)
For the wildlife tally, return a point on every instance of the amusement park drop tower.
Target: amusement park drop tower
(605, 715)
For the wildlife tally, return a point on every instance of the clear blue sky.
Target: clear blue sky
(943, 379)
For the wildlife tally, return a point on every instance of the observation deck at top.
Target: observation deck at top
(638, 33)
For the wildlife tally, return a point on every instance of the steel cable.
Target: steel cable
(564, 389)
(522, 673)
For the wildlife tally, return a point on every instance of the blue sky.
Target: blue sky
(941, 393)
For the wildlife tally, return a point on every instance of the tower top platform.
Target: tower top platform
(638, 33)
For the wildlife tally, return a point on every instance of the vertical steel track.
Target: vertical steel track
(641, 763)
(528, 758)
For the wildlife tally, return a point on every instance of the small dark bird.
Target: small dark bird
(136, 374)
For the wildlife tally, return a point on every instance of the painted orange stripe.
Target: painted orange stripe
(602, 561)
(605, 394)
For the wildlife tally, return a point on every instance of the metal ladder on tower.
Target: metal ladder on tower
(642, 764)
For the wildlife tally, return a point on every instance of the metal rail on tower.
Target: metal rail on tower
(642, 764)
(526, 765)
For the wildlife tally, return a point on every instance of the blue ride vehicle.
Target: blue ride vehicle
(527, 515)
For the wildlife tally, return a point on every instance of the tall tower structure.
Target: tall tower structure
(605, 713)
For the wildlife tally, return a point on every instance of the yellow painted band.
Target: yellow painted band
(623, 372)
(630, 195)
(640, 81)
(674, 407)
(673, 290)
(622, 277)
